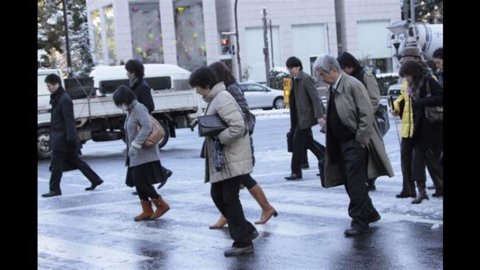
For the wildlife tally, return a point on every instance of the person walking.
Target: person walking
(352, 67)
(306, 110)
(427, 138)
(223, 74)
(235, 147)
(144, 166)
(63, 139)
(136, 73)
(402, 107)
(354, 148)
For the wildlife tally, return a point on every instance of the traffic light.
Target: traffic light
(225, 45)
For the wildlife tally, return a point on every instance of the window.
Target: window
(110, 34)
(97, 36)
(146, 30)
(189, 33)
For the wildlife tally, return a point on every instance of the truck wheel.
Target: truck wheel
(166, 137)
(43, 143)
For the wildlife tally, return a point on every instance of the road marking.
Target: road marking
(88, 253)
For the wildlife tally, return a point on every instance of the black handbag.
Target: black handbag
(290, 140)
(210, 125)
(433, 114)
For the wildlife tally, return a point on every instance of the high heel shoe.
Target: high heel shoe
(266, 215)
(222, 221)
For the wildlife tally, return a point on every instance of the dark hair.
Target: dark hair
(53, 79)
(123, 95)
(413, 68)
(222, 73)
(136, 67)
(347, 60)
(294, 62)
(438, 53)
(203, 77)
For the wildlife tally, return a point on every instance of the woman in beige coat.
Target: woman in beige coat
(237, 158)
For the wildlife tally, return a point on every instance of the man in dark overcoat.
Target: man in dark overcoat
(63, 139)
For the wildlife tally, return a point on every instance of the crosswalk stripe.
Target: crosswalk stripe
(92, 254)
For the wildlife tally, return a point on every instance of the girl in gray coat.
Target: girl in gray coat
(144, 167)
(237, 158)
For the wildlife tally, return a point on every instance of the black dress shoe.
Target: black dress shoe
(235, 251)
(431, 187)
(437, 194)
(402, 195)
(254, 235)
(134, 193)
(355, 231)
(373, 217)
(51, 194)
(93, 186)
(294, 176)
(168, 173)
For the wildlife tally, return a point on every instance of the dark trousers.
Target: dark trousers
(248, 181)
(225, 195)
(355, 166)
(434, 167)
(431, 159)
(58, 164)
(303, 139)
(406, 154)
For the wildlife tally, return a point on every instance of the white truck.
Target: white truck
(426, 37)
(177, 105)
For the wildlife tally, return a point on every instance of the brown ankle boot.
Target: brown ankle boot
(222, 221)
(147, 211)
(267, 210)
(162, 207)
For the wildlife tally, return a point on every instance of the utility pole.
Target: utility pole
(271, 42)
(67, 42)
(240, 77)
(412, 10)
(265, 46)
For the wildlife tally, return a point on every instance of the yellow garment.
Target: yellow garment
(407, 116)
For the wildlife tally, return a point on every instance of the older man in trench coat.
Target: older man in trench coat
(354, 148)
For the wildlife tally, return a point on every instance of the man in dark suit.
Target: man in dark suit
(306, 110)
(63, 139)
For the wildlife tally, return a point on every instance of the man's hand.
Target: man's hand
(321, 121)
(394, 112)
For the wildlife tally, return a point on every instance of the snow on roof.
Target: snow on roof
(391, 74)
(102, 72)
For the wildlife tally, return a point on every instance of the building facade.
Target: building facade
(192, 33)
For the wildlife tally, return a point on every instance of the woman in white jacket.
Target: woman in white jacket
(237, 158)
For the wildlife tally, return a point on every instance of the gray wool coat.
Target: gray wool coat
(308, 103)
(355, 112)
(137, 115)
(235, 140)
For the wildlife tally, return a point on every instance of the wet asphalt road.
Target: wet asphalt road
(95, 230)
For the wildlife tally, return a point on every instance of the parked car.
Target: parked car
(394, 90)
(262, 97)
